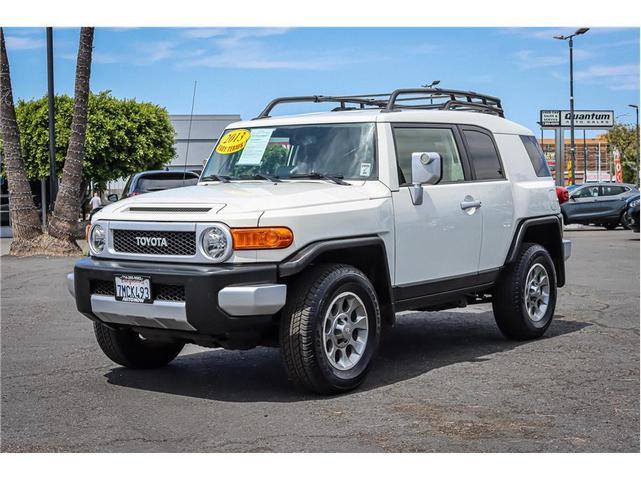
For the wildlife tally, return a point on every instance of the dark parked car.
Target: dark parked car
(632, 214)
(601, 204)
(157, 180)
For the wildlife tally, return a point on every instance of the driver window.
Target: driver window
(439, 140)
(587, 192)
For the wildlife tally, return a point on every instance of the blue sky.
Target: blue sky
(240, 70)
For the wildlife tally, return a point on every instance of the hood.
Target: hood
(207, 202)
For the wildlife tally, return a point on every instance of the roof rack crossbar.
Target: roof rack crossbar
(362, 101)
(388, 102)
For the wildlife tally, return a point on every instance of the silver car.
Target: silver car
(601, 204)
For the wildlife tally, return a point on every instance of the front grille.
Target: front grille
(168, 292)
(162, 292)
(178, 243)
(105, 288)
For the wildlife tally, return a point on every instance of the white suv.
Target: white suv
(310, 232)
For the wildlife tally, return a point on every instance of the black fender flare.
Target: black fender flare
(557, 254)
(304, 257)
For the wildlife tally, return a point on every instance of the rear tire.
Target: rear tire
(128, 349)
(330, 329)
(525, 295)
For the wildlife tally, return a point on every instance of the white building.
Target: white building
(205, 131)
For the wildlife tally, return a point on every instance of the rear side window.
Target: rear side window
(613, 190)
(536, 155)
(483, 155)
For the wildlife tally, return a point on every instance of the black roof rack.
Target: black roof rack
(410, 98)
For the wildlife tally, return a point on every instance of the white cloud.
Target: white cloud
(529, 59)
(245, 48)
(614, 77)
(152, 52)
(24, 43)
(236, 33)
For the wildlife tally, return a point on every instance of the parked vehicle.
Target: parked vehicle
(562, 194)
(157, 180)
(632, 214)
(600, 204)
(310, 232)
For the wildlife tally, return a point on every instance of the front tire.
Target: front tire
(525, 296)
(128, 349)
(330, 329)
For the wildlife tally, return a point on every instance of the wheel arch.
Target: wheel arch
(546, 231)
(367, 253)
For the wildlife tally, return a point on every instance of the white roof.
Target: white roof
(493, 123)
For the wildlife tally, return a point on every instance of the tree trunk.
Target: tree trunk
(64, 222)
(25, 220)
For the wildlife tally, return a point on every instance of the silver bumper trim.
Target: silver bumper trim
(567, 249)
(71, 285)
(159, 314)
(252, 300)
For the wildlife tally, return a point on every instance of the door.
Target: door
(582, 205)
(611, 202)
(440, 238)
(492, 189)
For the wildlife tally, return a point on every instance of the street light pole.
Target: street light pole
(636, 107)
(572, 145)
(570, 39)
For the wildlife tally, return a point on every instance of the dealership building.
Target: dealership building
(195, 138)
(593, 153)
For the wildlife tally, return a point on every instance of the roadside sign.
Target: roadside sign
(618, 170)
(582, 118)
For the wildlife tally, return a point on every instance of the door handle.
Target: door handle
(467, 204)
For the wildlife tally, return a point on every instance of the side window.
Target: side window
(483, 155)
(440, 140)
(586, 192)
(612, 190)
(535, 153)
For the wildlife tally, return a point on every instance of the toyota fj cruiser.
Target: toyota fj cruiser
(310, 232)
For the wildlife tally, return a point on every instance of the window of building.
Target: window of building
(483, 155)
(440, 140)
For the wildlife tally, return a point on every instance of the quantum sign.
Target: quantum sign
(582, 118)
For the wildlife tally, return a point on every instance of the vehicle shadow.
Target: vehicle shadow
(418, 344)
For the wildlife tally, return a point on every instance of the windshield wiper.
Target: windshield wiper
(261, 176)
(321, 176)
(221, 178)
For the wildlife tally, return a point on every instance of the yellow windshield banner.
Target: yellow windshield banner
(232, 141)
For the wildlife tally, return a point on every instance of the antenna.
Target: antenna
(191, 117)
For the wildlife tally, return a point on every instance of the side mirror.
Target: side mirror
(113, 197)
(427, 168)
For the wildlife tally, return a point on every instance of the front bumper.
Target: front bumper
(216, 300)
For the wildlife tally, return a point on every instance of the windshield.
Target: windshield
(338, 150)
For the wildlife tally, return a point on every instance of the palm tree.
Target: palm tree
(64, 221)
(25, 221)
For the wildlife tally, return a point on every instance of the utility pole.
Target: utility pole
(580, 31)
(53, 178)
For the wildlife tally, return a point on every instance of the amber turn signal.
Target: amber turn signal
(276, 237)
(87, 229)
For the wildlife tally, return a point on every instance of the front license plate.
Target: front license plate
(133, 289)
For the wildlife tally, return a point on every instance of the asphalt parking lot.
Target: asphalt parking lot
(444, 381)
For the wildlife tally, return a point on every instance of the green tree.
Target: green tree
(123, 136)
(624, 138)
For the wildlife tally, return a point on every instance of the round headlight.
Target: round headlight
(97, 239)
(216, 243)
